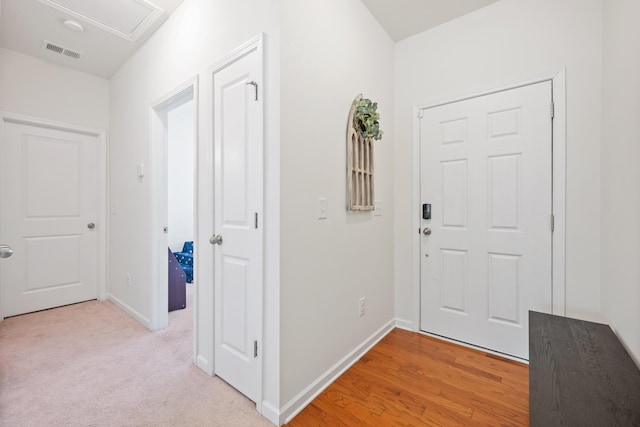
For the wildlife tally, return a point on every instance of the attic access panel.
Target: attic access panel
(128, 19)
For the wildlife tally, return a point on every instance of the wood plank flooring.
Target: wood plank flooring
(409, 379)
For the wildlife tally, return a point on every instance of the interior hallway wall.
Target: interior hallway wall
(38, 88)
(197, 35)
(332, 50)
(620, 172)
(508, 41)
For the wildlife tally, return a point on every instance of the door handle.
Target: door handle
(5, 251)
(255, 85)
(426, 231)
(216, 240)
(91, 226)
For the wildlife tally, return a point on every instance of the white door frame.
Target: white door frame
(559, 141)
(256, 44)
(159, 205)
(102, 226)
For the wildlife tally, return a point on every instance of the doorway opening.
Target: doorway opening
(173, 171)
(180, 203)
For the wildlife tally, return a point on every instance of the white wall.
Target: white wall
(41, 89)
(198, 34)
(332, 50)
(621, 173)
(180, 175)
(507, 41)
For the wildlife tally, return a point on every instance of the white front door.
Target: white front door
(486, 171)
(49, 186)
(238, 137)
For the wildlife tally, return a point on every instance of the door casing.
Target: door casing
(558, 190)
(102, 231)
(159, 202)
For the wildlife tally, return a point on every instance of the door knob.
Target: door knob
(426, 231)
(216, 240)
(91, 226)
(5, 251)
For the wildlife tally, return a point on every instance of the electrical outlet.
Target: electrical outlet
(128, 280)
(362, 306)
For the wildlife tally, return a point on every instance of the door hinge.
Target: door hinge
(420, 113)
(255, 348)
(553, 223)
(255, 217)
(552, 110)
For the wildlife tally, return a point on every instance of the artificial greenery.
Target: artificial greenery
(366, 119)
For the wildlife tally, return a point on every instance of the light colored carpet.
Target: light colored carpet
(90, 364)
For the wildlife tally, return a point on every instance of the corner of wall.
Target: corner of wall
(306, 396)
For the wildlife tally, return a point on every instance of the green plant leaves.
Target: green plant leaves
(367, 118)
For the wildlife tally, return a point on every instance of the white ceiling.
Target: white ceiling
(117, 28)
(405, 18)
(114, 30)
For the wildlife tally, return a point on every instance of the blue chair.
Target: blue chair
(185, 259)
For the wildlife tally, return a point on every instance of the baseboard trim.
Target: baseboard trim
(130, 311)
(270, 412)
(407, 325)
(299, 402)
(202, 363)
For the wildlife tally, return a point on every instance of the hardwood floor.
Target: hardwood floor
(409, 379)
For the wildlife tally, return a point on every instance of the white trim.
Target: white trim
(474, 347)
(271, 413)
(255, 44)
(557, 78)
(527, 81)
(407, 325)
(306, 396)
(156, 172)
(416, 224)
(176, 95)
(559, 191)
(101, 136)
(155, 14)
(188, 90)
(130, 311)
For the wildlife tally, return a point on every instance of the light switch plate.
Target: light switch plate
(377, 208)
(322, 208)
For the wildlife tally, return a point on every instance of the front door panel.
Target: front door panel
(486, 170)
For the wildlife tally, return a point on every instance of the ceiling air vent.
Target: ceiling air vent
(61, 50)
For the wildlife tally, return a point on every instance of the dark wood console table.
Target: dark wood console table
(580, 375)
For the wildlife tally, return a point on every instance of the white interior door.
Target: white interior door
(49, 186)
(238, 137)
(486, 171)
